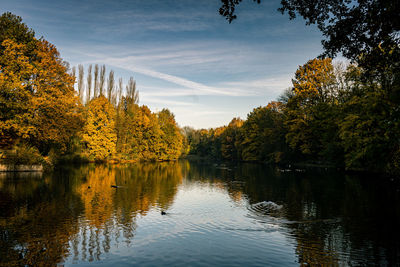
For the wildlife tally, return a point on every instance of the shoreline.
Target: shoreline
(21, 168)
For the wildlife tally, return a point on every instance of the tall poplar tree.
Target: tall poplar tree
(73, 74)
(81, 82)
(96, 81)
(89, 84)
(131, 94)
(120, 90)
(102, 79)
(111, 87)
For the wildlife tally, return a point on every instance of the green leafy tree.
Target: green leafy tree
(370, 127)
(263, 134)
(311, 113)
(231, 138)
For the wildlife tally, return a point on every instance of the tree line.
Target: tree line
(42, 117)
(333, 115)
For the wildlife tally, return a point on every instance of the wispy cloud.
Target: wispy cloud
(261, 86)
(217, 55)
(198, 87)
(155, 100)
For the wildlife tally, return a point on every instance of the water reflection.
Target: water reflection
(38, 216)
(113, 197)
(216, 214)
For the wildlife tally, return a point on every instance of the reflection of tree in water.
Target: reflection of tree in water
(343, 220)
(333, 219)
(96, 194)
(33, 230)
(45, 219)
(110, 213)
(147, 185)
(221, 177)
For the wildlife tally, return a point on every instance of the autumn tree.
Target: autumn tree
(264, 135)
(17, 44)
(12, 28)
(56, 112)
(231, 139)
(99, 136)
(36, 92)
(127, 114)
(145, 136)
(171, 138)
(312, 113)
(14, 96)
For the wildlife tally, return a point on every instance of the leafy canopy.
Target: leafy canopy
(363, 30)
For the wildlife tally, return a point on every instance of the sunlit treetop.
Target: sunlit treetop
(12, 27)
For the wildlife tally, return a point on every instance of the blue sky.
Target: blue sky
(183, 55)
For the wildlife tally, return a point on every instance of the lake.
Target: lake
(216, 215)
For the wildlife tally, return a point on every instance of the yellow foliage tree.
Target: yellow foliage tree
(171, 137)
(57, 113)
(37, 96)
(14, 93)
(307, 112)
(314, 78)
(99, 135)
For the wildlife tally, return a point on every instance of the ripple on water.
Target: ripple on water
(207, 233)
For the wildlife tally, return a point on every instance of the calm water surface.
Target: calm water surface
(217, 215)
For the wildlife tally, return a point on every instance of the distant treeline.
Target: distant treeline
(336, 115)
(43, 119)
